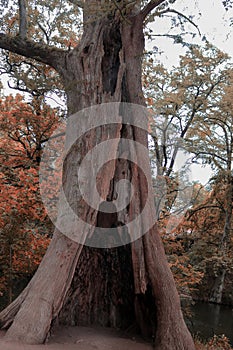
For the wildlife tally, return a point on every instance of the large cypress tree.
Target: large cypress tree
(79, 284)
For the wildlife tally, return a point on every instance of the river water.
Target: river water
(209, 319)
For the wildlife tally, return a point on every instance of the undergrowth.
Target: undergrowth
(215, 343)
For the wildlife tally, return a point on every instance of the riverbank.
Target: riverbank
(208, 319)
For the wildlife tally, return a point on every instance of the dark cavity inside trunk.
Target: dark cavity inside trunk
(111, 60)
(102, 293)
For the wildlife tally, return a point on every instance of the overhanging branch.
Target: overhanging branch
(182, 15)
(193, 211)
(27, 48)
(155, 3)
(149, 7)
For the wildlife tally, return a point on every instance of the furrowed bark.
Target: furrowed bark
(46, 293)
(218, 287)
(8, 314)
(52, 280)
(76, 284)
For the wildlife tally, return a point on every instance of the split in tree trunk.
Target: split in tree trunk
(112, 287)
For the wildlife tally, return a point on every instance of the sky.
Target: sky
(212, 19)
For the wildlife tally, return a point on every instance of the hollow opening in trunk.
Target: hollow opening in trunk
(102, 294)
(102, 291)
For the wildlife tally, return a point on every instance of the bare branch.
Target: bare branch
(22, 19)
(27, 48)
(214, 155)
(44, 31)
(52, 137)
(154, 3)
(182, 15)
(193, 211)
(149, 7)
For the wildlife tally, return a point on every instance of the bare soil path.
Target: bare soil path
(82, 338)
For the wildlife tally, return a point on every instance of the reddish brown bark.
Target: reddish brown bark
(81, 285)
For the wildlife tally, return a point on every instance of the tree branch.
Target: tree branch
(193, 211)
(52, 137)
(182, 15)
(44, 31)
(149, 7)
(27, 48)
(22, 19)
(214, 155)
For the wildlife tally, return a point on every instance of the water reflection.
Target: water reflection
(209, 319)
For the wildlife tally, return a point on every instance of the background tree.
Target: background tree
(192, 101)
(200, 235)
(24, 225)
(21, 252)
(179, 100)
(178, 97)
(213, 144)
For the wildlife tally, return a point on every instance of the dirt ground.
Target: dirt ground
(82, 338)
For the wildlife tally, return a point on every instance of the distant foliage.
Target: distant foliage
(191, 112)
(24, 224)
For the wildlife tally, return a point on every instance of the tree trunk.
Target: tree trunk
(216, 295)
(217, 291)
(112, 287)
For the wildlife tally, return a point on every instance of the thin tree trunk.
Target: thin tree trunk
(10, 280)
(218, 288)
(216, 295)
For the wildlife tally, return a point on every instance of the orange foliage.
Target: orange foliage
(23, 220)
(215, 343)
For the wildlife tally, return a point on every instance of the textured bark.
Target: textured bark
(102, 290)
(9, 313)
(111, 287)
(46, 292)
(218, 287)
(171, 332)
(216, 294)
